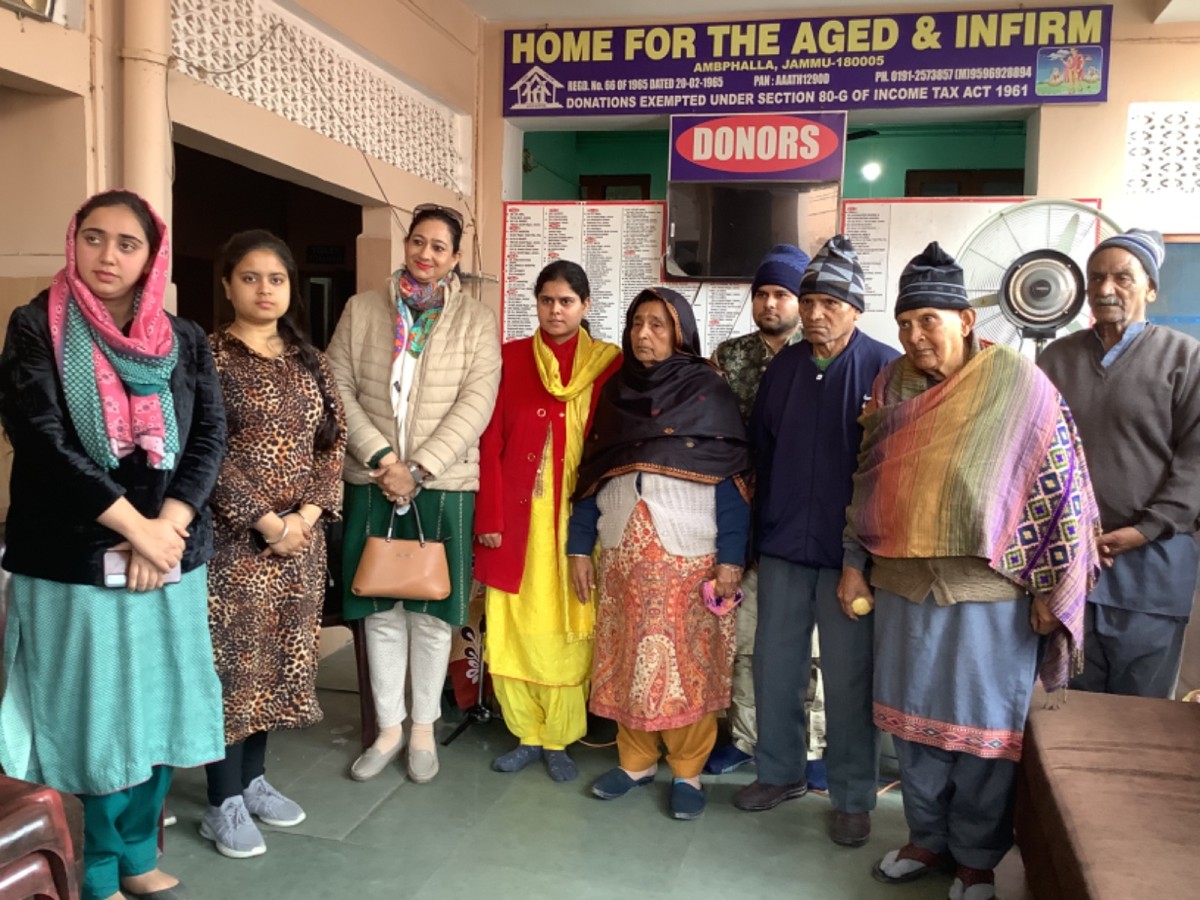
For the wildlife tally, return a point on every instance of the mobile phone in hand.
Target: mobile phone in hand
(116, 569)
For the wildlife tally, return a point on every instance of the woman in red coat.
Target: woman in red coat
(539, 646)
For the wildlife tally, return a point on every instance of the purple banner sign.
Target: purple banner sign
(758, 147)
(1004, 57)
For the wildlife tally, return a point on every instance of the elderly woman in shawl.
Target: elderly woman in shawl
(974, 504)
(661, 484)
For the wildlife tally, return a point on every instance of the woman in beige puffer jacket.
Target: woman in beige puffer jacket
(418, 366)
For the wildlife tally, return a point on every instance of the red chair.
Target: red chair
(41, 841)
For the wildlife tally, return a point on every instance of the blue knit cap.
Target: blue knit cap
(1147, 246)
(835, 271)
(932, 279)
(783, 266)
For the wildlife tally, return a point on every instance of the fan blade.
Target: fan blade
(1070, 235)
(982, 321)
(985, 300)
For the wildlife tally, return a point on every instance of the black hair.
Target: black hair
(291, 331)
(135, 204)
(570, 272)
(455, 225)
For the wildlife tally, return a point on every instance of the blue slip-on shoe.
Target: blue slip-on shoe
(616, 783)
(726, 759)
(517, 759)
(560, 767)
(687, 802)
(815, 775)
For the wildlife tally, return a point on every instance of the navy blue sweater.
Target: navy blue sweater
(805, 434)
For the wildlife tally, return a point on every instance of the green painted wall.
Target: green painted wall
(555, 173)
(565, 155)
(898, 148)
(562, 156)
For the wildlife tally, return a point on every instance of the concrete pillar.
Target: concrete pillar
(147, 151)
(380, 248)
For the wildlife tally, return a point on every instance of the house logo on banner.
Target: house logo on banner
(537, 90)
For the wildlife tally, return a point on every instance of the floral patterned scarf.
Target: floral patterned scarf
(418, 307)
(118, 387)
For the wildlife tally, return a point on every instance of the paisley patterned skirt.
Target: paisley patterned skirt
(662, 660)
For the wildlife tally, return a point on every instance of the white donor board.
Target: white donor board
(888, 233)
(620, 246)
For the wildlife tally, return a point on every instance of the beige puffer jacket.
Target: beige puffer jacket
(453, 392)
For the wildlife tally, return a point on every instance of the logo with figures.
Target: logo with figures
(537, 89)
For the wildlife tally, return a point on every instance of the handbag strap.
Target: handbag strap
(416, 518)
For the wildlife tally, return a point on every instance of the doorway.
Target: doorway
(215, 198)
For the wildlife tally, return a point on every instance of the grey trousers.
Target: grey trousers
(791, 599)
(743, 725)
(1132, 653)
(957, 802)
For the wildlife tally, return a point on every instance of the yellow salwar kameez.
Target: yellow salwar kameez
(538, 662)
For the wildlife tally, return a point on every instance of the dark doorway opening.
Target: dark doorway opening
(964, 183)
(214, 198)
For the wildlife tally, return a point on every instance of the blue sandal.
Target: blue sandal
(616, 783)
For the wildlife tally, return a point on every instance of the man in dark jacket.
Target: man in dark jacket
(743, 359)
(805, 434)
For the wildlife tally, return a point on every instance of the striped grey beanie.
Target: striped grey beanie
(1147, 246)
(835, 271)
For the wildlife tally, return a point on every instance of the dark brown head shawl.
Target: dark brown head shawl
(677, 417)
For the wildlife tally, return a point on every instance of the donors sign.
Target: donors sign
(1002, 57)
(758, 147)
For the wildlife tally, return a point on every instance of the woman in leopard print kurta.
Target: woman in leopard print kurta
(282, 473)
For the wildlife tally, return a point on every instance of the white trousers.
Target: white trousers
(398, 640)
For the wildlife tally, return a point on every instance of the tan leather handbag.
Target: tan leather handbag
(400, 569)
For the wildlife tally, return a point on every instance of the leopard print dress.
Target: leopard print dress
(265, 612)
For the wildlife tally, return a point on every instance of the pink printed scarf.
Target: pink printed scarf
(117, 387)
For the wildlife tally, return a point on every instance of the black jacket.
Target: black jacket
(58, 491)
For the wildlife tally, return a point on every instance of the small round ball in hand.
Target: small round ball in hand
(861, 606)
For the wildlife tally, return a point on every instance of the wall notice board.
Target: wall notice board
(620, 245)
(888, 233)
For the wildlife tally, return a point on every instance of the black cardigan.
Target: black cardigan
(58, 491)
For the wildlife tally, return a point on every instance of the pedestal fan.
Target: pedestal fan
(1023, 269)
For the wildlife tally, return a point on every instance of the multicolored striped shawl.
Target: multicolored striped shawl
(987, 463)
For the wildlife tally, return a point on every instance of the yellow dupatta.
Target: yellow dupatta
(592, 358)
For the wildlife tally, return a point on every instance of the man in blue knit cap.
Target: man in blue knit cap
(776, 311)
(805, 435)
(1134, 390)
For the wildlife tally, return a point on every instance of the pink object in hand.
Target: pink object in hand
(717, 604)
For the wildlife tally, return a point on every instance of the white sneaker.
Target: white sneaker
(230, 827)
(272, 807)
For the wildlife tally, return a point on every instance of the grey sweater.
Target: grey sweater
(1140, 424)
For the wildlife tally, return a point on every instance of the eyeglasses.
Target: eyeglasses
(447, 211)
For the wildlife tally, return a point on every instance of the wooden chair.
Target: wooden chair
(332, 615)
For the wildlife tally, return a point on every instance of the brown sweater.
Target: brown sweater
(1140, 424)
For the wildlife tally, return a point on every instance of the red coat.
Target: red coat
(509, 453)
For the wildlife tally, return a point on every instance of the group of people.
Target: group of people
(659, 534)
